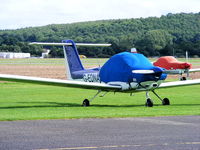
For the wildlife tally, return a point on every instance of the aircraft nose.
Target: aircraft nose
(158, 72)
(188, 65)
(185, 65)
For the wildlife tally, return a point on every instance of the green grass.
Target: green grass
(60, 61)
(88, 62)
(19, 101)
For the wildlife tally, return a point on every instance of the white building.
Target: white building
(45, 53)
(14, 55)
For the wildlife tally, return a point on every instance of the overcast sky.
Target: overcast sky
(26, 13)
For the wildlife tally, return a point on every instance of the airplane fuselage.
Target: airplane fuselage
(119, 70)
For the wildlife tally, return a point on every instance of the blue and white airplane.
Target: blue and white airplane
(124, 72)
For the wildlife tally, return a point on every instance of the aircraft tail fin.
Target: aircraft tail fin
(72, 60)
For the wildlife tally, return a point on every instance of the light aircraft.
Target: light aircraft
(176, 67)
(124, 72)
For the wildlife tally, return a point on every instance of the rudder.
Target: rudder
(73, 62)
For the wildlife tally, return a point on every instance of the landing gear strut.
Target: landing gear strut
(149, 102)
(165, 101)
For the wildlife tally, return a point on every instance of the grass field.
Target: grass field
(85, 61)
(19, 101)
(51, 61)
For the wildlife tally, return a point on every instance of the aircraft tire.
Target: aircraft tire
(149, 103)
(165, 101)
(183, 78)
(86, 103)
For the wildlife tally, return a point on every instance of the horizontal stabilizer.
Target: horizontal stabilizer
(69, 44)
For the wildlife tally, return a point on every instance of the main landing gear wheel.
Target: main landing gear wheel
(165, 101)
(149, 103)
(183, 78)
(86, 103)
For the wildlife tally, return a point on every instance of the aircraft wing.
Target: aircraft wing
(181, 71)
(59, 82)
(179, 83)
(194, 70)
(85, 85)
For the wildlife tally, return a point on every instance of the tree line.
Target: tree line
(172, 34)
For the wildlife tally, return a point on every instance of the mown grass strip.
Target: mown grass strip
(20, 101)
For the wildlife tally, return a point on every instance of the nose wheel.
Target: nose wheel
(149, 103)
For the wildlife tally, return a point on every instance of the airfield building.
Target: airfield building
(14, 55)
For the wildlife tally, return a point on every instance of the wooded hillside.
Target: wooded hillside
(167, 35)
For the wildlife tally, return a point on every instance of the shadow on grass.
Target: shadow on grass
(42, 105)
(56, 104)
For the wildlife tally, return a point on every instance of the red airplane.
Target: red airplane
(171, 63)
